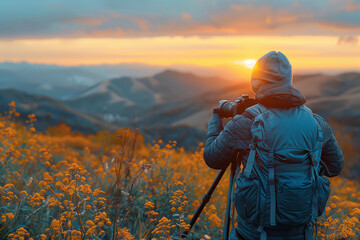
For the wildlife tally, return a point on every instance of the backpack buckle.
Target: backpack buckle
(257, 134)
(313, 159)
(271, 160)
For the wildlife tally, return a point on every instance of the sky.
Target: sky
(321, 35)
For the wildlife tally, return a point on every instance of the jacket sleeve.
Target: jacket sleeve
(223, 143)
(331, 152)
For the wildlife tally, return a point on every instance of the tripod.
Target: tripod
(227, 109)
(207, 197)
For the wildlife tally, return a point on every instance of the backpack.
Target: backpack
(280, 186)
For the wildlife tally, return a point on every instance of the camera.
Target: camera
(228, 109)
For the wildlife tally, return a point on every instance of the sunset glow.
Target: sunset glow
(305, 53)
(225, 35)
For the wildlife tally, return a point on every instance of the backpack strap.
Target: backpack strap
(252, 113)
(315, 178)
(315, 157)
(272, 189)
(248, 115)
(309, 229)
(256, 136)
(315, 161)
(261, 230)
(251, 160)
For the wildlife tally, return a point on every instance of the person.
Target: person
(271, 81)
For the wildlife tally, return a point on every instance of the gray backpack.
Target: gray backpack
(280, 186)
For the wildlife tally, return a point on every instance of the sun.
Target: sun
(249, 63)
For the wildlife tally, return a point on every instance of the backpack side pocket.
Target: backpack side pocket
(247, 198)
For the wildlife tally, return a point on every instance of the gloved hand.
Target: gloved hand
(244, 102)
(218, 108)
(228, 109)
(225, 109)
(242, 98)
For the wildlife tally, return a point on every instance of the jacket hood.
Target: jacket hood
(271, 80)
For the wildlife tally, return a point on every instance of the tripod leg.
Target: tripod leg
(237, 171)
(229, 203)
(205, 200)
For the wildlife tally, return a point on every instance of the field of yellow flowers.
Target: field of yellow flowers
(64, 185)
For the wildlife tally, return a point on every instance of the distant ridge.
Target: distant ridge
(48, 111)
(334, 97)
(53, 81)
(122, 99)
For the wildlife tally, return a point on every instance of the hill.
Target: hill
(333, 97)
(48, 111)
(125, 100)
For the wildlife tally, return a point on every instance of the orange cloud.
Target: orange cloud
(186, 16)
(141, 22)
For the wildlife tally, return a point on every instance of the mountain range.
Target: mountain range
(124, 100)
(171, 105)
(53, 81)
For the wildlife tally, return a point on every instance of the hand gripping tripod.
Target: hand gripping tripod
(207, 197)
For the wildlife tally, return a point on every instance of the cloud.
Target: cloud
(89, 21)
(348, 40)
(256, 20)
(351, 5)
(186, 16)
(112, 18)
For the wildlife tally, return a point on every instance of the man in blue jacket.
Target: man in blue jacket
(271, 81)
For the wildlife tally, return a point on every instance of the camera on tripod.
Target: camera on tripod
(228, 109)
